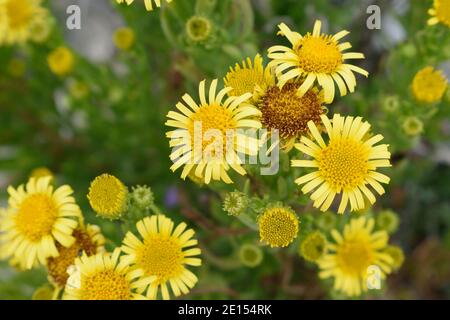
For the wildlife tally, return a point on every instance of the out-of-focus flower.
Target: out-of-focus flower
(161, 257)
(19, 20)
(148, 3)
(346, 164)
(250, 255)
(101, 277)
(429, 85)
(235, 203)
(397, 255)
(440, 13)
(142, 197)
(61, 61)
(278, 226)
(124, 38)
(412, 126)
(206, 137)
(318, 57)
(38, 219)
(43, 293)
(326, 221)
(388, 220)
(313, 247)
(40, 30)
(251, 77)
(41, 172)
(88, 240)
(284, 110)
(198, 29)
(351, 255)
(78, 89)
(391, 103)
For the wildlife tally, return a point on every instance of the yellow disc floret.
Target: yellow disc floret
(278, 226)
(108, 196)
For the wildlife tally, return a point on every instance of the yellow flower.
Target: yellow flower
(101, 277)
(108, 196)
(353, 254)
(429, 85)
(18, 20)
(278, 226)
(313, 247)
(148, 3)
(346, 164)
(251, 77)
(283, 110)
(208, 136)
(412, 126)
(440, 13)
(41, 172)
(88, 240)
(38, 219)
(61, 61)
(123, 38)
(316, 56)
(161, 257)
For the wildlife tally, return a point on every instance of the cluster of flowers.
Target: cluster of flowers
(43, 226)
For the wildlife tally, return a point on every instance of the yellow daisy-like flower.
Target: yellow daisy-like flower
(283, 110)
(88, 240)
(314, 57)
(440, 13)
(101, 277)
(429, 85)
(38, 218)
(278, 226)
(61, 61)
(250, 77)
(148, 3)
(18, 20)
(161, 257)
(352, 255)
(123, 38)
(209, 135)
(108, 196)
(346, 164)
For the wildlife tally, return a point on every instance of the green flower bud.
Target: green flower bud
(388, 220)
(142, 197)
(397, 256)
(391, 103)
(235, 203)
(326, 221)
(412, 126)
(198, 29)
(250, 255)
(313, 247)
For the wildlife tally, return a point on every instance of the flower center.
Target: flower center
(278, 227)
(19, 13)
(354, 257)
(107, 195)
(286, 111)
(161, 256)
(106, 285)
(36, 216)
(319, 54)
(343, 164)
(211, 117)
(57, 267)
(443, 11)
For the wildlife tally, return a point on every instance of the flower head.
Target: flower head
(326, 221)
(198, 29)
(108, 196)
(283, 110)
(316, 56)
(61, 61)
(88, 240)
(388, 220)
(37, 220)
(250, 255)
(412, 126)
(209, 135)
(148, 3)
(353, 253)
(162, 255)
(440, 13)
(313, 247)
(391, 103)
(346, 164)
(123, 38)
(429, 85)
(251, 77)
(142, 197)
(41, 172)
(101, 277)
(235, 203)
(278, 226)
(18, 20)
